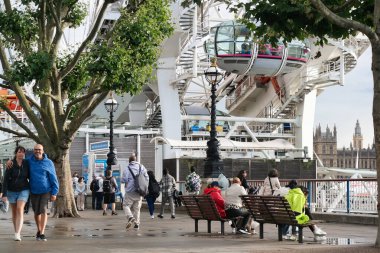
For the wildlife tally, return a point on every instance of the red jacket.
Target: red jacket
(217, 197)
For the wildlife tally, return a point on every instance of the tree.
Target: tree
(68, 85)
(272, 20)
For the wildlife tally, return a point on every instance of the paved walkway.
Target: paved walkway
(96, 233)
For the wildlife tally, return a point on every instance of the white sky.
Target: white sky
(343, 105)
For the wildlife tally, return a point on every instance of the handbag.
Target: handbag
(302, 218)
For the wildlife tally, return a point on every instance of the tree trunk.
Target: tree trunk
(65, 203)
(376, 122)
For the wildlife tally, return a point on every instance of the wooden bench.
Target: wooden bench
(203, 207)
(274, 210)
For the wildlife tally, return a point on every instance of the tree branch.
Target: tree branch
(17, 120)
(7, 130)
(5, 86)
(8, 5)
(83, 114)
(55, 17)
(3, 77)
(87, 41)
(346, 4)
(342, 22)
(3, 58)
(79, 99)
(29, 112)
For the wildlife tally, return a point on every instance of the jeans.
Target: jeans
(231, 213)
(99, 200)
(150, 200)
(93, 198)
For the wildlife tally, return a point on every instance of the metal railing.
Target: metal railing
(334, 195)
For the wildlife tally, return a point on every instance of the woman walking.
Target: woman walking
(16, 189)
(153, 193)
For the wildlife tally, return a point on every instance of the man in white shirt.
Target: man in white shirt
(233, 205)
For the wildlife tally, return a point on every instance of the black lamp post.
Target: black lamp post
(111, 106)
(213, 162)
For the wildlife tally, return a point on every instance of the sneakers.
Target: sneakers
(114, 213)
(173, 216)
(290, 237)
(160, 216)
(104, 213)
(38, 235)
(17, 237)
(43, 238)
(136, 226)
(152, 216)
(234, 230)
(319, 232)
(129, 223)
(243, 232)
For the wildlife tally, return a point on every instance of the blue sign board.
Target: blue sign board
(102, 145)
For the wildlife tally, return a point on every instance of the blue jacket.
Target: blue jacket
(42, 176)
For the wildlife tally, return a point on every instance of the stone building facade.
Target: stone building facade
(355, 156)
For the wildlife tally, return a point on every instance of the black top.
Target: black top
(244, 183)
(16, 178)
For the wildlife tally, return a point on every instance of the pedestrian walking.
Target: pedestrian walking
(16, 189)
(167, 185)
(153, 193)
(132, 198)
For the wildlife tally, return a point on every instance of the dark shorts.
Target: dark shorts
(40, 202)
(109, 198)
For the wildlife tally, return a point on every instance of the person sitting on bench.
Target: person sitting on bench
(215, 193)
(297, 201)
(233, 205)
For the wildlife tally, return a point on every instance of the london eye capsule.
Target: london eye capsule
(235, 48)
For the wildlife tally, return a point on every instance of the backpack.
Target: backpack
(141, 183)
(193, 183)
(94, 186)
(107, 185)
(155, 189)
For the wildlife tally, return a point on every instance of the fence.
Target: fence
(335, 195)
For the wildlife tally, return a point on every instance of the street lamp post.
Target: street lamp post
(111, 106)
(213, 162)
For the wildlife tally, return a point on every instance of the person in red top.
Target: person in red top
(215, 193)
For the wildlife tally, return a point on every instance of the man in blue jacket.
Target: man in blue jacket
(43, 186)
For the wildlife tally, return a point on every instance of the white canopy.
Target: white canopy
(227, 144)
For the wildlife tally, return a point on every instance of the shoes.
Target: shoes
(38, 235)
(234, 230)
(104, 213)
(42, 238)
(152, 216)
(160, 216)
(243, 232)
(129, 223)
(173, 216)
(114, 213)
(254, 232)
(290, 237)
(136, 226)
(17, 237)
(319, 232)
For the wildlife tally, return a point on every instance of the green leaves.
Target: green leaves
(36, 66)
(272, 20)
(19, 25)
(128, 61)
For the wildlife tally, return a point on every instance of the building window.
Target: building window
(323, 149)
(331, 162)
(331, 149)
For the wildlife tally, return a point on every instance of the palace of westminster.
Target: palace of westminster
(355, 156)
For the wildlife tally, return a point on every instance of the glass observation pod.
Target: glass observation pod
(236, 52)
